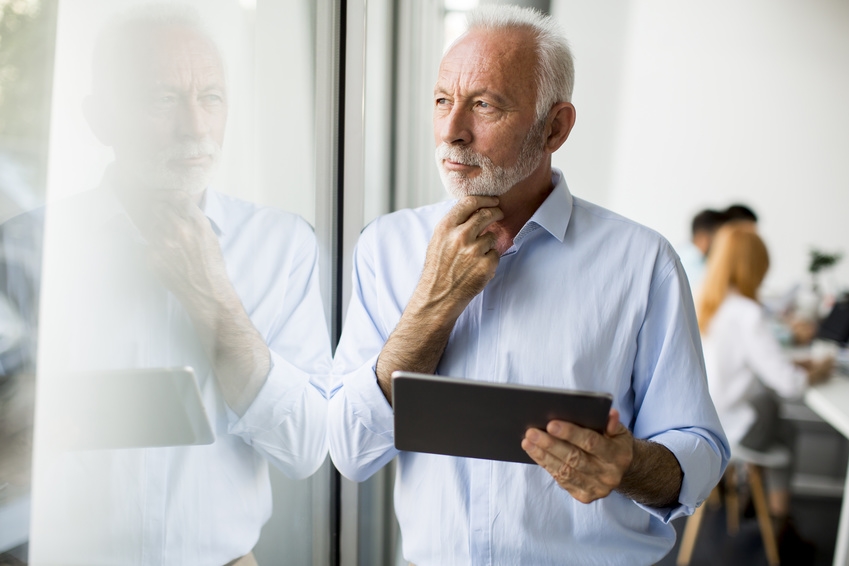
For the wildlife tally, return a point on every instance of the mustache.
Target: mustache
(190, 149)
(460, 154)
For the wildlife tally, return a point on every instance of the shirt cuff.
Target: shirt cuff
(702, 462)
(276, 399)
(367, 401)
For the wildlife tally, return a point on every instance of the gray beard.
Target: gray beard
(492, 180)
(153, 172)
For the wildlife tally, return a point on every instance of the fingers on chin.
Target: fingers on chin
(584, 497)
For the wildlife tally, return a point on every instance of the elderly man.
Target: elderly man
(518, 281)
(155, 269)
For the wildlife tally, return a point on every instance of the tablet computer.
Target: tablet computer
(130, 408)
(477, 419)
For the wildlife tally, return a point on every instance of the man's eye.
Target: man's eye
(164, 101)
(484, 105)
(441, 101)
(212, 99)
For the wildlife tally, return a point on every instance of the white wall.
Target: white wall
(688, 105)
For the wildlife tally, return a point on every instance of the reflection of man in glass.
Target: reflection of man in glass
(155, 269)
(517, 281)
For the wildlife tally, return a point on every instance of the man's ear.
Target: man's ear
(559, 123)
(99, 116)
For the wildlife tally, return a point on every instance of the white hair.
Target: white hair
(120, 35)
(159, 14)
(555, 68)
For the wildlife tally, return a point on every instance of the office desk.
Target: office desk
(830, 400)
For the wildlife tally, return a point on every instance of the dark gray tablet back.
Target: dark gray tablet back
(475, 419)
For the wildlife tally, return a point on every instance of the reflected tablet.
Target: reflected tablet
(475, 419)
(130, 408)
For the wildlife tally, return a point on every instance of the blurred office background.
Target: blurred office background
(681, 106)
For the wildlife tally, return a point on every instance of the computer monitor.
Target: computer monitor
(835, 326)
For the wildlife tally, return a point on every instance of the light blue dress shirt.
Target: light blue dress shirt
(103, 309)
(584, 299)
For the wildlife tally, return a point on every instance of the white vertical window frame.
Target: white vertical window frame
(419, 48)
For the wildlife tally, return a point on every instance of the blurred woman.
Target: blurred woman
(746, 367)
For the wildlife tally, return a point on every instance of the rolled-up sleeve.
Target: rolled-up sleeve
(672, 405)
(360, 420)
(287, 421)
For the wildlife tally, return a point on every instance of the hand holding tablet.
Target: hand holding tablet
(474, 419)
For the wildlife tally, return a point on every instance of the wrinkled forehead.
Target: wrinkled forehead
(500, 60)
(148, 56)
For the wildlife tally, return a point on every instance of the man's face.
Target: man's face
(172, 111)
(484, 122)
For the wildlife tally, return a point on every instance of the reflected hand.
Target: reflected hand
(184, 251)
(585, 463)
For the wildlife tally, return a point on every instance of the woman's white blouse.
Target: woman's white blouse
(742, 356)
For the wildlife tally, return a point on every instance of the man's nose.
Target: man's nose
(454, 126)
(192, 121)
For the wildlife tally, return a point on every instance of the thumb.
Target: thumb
(614, 427)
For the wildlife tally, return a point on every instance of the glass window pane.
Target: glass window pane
(27, 32)
(176, 297)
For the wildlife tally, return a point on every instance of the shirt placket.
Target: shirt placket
(481, 495)
(161, 334)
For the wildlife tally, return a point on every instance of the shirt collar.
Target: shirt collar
(553, 214)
